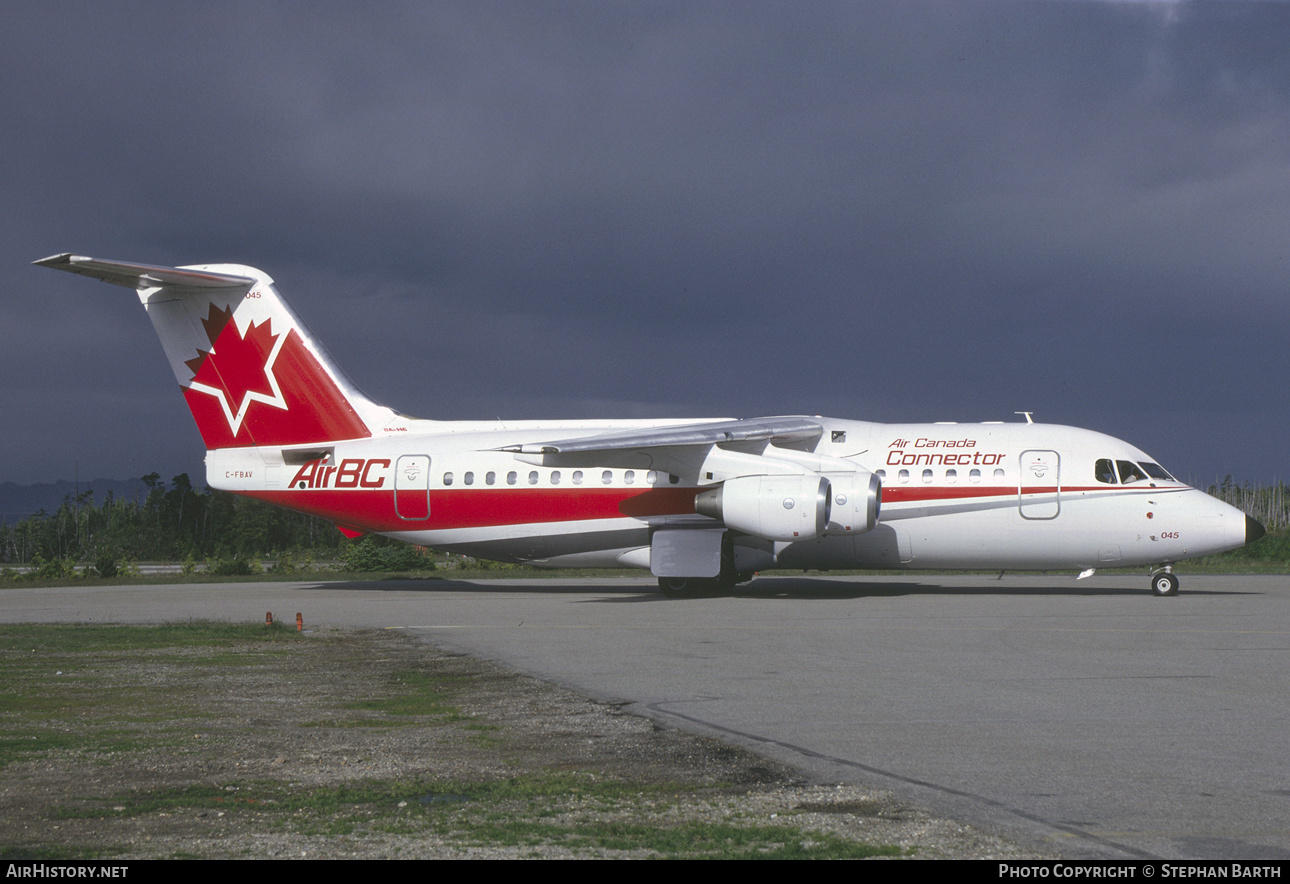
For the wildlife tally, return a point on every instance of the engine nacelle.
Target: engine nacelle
(793, 507)
(857, 498)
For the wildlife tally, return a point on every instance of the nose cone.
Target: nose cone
(1253, 530)
(1215, 526)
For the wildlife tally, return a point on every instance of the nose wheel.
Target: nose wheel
(1164, 583)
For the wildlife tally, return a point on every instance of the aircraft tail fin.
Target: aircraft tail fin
(251, 372)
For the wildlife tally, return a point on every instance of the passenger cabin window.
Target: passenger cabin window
(577, 477)
(607, 476)
(555, 477)
(927, 476)
(1104, 472)
(904, 476)
(951, 476)
(974, 476)
(447, 478)
(533, 477)
(512, 477)
(469, 478)
(629, 477)
(490, 478)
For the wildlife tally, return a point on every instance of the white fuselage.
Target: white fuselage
(975, 496)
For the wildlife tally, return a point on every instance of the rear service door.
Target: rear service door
(412, 487)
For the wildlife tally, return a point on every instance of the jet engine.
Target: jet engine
(792, 507)
(856, 500)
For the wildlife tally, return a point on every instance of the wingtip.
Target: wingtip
(55, 260)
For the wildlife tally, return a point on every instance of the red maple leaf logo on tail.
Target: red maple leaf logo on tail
(278, 370)
(238, 370)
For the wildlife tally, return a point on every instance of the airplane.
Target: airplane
(701, 504)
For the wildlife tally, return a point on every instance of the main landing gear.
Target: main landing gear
(723, 584)
(690, 587)
(1164, 581)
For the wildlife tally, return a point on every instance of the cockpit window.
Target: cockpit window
(1104, 471)
(1156, 471)
(1130, 471)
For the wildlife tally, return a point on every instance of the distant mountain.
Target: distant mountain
(19, 501)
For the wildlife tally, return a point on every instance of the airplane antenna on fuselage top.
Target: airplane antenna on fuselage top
(1029, 419)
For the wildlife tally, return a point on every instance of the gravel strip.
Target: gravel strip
(230, 752)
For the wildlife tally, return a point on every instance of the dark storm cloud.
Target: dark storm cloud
(889, 211)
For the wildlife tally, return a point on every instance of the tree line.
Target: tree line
(1268, 503)
(170, 523)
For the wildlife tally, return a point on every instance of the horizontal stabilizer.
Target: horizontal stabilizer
(143, 276)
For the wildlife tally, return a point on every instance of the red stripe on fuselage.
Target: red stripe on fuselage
(902, 494)
(373, 510)
(484, 507)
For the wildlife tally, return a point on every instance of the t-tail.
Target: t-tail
(251, 372)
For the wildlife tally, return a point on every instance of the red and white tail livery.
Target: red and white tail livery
(700, 503)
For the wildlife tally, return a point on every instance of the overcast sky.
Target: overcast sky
(882, 211)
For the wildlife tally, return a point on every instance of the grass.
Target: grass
(688, 840)
(94, 698)
(18, 852)
(80, 638)
(568, 811)
(70, 689)
(412, 693)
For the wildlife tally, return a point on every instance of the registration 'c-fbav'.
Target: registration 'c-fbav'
(701, 504)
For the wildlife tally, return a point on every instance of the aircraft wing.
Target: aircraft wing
(142, 276)
(762, 429)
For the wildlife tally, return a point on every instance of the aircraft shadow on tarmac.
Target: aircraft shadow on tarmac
(764, 588)
(877, 587)
(439, 585)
